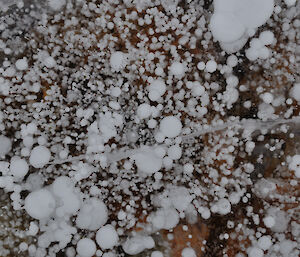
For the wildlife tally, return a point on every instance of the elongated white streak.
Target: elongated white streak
(122, 153)
(243, 124)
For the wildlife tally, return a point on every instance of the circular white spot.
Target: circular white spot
(264, 242)
(39, 204)
(107, 237)
(156, 89)
(22, 64)
(226, 27)
(144, 111)
(170, 126)
(255, 252)
(211, 66)
(117, 61)
(188, 252)
(177, 69)
(174, 152)
(86, 247)
(157, 254)
(39, 157)
(269, 221)
(49, 62)
(147, 162)
(92, 215)
(18, 167)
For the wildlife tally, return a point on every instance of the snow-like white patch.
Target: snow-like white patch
(267, 97)
(159, 71)
(287, 246)
(33, 229)
(226, 27)
(115, 122)
(232, 61)
(23, 246)
(82, 171)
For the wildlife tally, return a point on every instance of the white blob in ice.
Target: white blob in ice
(107, 237)
(188, 252)
(86, 247)
(40, 204)
(18, 167)
(170, 126)
(177, 69)
(5, 145)
(211, 66)
(56, 4)
(138, 244)
(165, 218)
(63, 189)
(295, 92)
(264, 242)
(147, 161)
(226, 27)
(157, 254)
(117, 61)
(156, 89)
(144, 111)
(255, 252)
(232, 19)
(39, 157)
(175, 152)
(49, 62)
(92, 215)
(22, 64)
